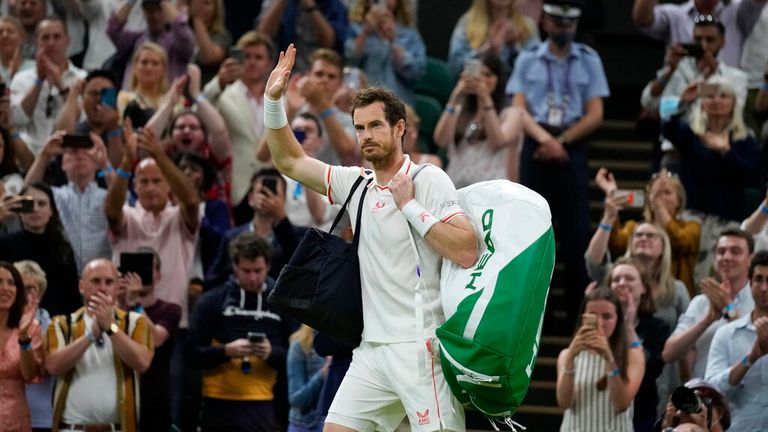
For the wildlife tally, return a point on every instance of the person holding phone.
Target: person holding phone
(599, 374)
(206, 18)
(240, 342)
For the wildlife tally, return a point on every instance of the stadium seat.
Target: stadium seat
(437, 81)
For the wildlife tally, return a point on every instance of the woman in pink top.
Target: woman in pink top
(20, 355)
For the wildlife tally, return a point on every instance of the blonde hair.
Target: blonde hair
(679, 190)
(254, 37)
(31, 268)
(479, 22)
(16, 23)
(217, 24)
(305, 336)
(736, 126)
(661, 271)
(403, 15)
(160, 51)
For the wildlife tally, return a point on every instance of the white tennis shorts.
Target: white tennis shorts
(383, 385)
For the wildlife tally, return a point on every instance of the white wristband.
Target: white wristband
(419, 217)
(274, 113)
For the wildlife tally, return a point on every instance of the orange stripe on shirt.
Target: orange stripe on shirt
(409, 167)
(451, 216)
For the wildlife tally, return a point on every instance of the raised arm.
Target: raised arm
(642, 12)
(271, 18)
(287, 154)
(118, 189)
(755, 223)
(70, 112)
(218, 134)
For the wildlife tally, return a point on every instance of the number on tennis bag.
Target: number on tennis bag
(495, 310)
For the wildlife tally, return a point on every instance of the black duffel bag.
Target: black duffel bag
(320, 285)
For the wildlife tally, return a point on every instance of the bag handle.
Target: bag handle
(344, 206)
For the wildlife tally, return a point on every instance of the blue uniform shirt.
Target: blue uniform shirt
(586, 80)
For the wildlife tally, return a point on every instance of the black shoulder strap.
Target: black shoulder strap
(344, 206)
(356, 236)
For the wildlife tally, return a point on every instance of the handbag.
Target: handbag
(320, 285)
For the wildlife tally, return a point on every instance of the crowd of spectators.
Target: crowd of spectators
(136, 128)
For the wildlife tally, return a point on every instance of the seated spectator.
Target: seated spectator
(306, 374)
(20, 361)
(39, 392)
(708, 33)
(155, 388)
(718, 304)
(29, 13)
(664, 205)
(491, 26)
(213, 39)
(719, 158)
(148, 84)
(99, 113)
(411, 143)
(43, 240)
(87, 23)
(269, 221)
(37, 94)
(671, 23)
(714, 414)
(592, 398)
(308, 24)
(80, 203)
(155, 222)
(240, 342)
(238, 94)
(476, 128)
(739, 354)
(633, 288)
(165, 26)
(12, 60)
(385, 44)
(97, 354)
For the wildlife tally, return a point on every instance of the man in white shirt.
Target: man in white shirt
(384, 382)
(718, 304)
(37, 94)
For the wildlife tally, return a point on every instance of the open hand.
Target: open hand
(278, 79)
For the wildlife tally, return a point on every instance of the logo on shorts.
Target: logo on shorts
(423, 417)
(376, 207)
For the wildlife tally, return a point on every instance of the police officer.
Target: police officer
(561, 85)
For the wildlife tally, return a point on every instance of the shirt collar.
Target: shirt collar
(744, 293)
(406, 168)
(744, 322)
(543, 51)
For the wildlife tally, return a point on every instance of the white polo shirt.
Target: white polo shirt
(387, 261)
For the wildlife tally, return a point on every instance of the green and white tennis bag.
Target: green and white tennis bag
(495, 309)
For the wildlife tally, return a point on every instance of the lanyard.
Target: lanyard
(566, 84)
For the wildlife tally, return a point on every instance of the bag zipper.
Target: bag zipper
(479, 378)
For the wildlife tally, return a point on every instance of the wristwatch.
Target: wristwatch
(113, 328)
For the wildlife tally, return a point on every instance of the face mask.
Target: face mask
(562, 39)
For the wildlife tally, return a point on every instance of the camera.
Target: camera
(686, 400)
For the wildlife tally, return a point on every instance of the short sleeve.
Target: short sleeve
(516, 82)
(142, 332)
(436, 192)
(598, 83)
(339, 181)
(692, 315)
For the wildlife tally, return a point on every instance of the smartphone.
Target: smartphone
(473, 67)
(76, 141)
(300, 135)
(589, 320)
(256, 337)
(109, 97)
(141, 263)
(269, 183)
(693, 50)
(635, 197)
(2, 88)
(708, 90)
(236, 53)
(26, 205)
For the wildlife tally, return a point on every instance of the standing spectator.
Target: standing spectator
(308, 24)
(37, 94)
(671, 23)
(165, 27)
(29, 13)
(306, 374)
(97, 353)
(240, 342)
(12, 36)
(148, 84)
(481, 135)
(633, 288)
(213, 39)
(43, 240)
(718, 304)
(738, 355)
(495, 26)
(20, 362)
(561, 85)
(238, 95)
(40, 391)
(87, 23)
(155, 388)
(753, 24)
(16, 156)
(719, 158)
(599, 374)
(383, 41)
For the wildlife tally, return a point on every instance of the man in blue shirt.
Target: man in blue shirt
(737, 363)
(561, 85)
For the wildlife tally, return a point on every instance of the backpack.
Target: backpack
(495, 309)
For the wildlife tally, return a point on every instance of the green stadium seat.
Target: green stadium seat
(429, 110)
(437, 81)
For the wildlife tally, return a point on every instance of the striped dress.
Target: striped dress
(592, 410)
